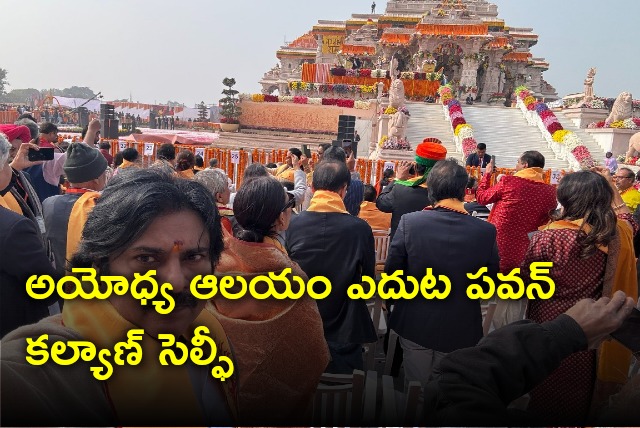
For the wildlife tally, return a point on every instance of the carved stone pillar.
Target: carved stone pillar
(491, 78)
(469, 72)
(535, 84)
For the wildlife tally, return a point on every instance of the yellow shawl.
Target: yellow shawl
(533, 174)
(79, 214)
(324, 201)
(136, 391)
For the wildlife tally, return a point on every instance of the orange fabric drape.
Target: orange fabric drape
(454, 30)
(402, 39)
(517, 56)
(358, 50)
(309, 72)
(8, 116)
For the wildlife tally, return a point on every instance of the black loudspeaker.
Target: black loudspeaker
(346, 127)
(152, 120)
(109, 129)
(83, 117)
(107, 111)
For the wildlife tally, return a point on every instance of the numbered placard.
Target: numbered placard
(200, 152)
(235, 156)
(556, 175)
(389, 165)
(148, 149)
(122, 145)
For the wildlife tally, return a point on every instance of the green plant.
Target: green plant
(229, 108)
(203, 112)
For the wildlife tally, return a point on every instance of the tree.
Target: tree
(229, 108)
(3, 81)
(203, 112)
(77, 92)
(22, 96)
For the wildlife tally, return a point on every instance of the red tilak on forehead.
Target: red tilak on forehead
(177, 246)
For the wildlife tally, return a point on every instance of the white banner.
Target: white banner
(148, 149)
(235, 156)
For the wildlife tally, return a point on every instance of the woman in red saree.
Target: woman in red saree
(591, 246)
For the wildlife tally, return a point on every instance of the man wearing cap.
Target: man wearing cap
(65, 215)
(408, 193)
(446, 239)
(21, 197)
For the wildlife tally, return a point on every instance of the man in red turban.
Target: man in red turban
(408, 194)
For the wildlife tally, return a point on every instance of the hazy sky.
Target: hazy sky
(181, 50)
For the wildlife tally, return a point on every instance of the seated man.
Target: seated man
(370, 213)
(145, 220)
(480, 157)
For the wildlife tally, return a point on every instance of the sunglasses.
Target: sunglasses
(290, 203)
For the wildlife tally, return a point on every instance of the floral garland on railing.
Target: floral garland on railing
(337, 88)
(562, 141)
(630, 123)
(446, 94)
(383, 74)
(299, 99)
(462, 131)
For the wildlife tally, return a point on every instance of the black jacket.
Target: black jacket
(21, 255)
(400, 200)
(474, 160)
(452, 244)
(473, 386)
(57, 210)
(341, 248)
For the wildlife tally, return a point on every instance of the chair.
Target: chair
(488, 311)
(381, 240)
(380, 324)
(345, 400)
(399, 408)
(391, 351)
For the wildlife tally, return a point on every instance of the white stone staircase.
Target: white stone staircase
(504, 130)
(594, 148)
(427, 120)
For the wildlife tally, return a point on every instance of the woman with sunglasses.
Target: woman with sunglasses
(279, 345)
(590, 244)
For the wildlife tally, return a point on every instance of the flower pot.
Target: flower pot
(230, 127)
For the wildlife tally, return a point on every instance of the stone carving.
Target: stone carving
(393, 68)
(397, 125)
(588, 85)
(622, 108)
(396, 94)
(634, 145)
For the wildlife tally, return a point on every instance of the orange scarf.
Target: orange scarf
(128, 164)
(77, 219)
(148, 387)
(620, 274)
(324, 201)
(533, 174)
(187, 173)
(452, 205)
(10, 202)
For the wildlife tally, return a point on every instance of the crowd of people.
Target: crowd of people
(87, 209)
